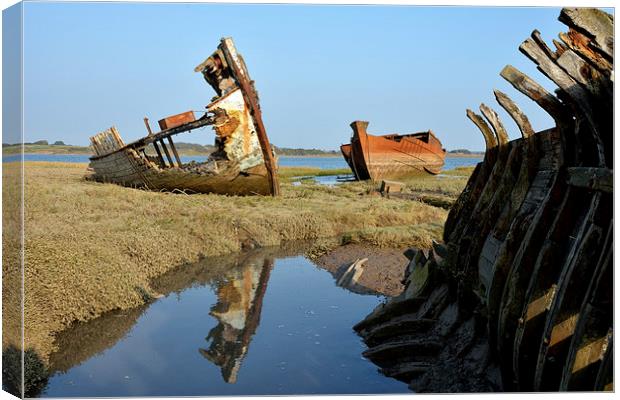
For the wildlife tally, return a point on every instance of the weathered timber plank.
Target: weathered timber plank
(386, 353)
(489, 138)
(455, 223)
(384, 312)
(496, 123)
(468, 249)
(543, 46)
(580, 44)
(495, 257)
(404, 325)
(587, 76)
(515, 113)
(536, 92)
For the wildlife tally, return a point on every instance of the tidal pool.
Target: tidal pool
(259, 323)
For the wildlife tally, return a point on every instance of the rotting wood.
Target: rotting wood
(594, 23)
(240, 72)
(536, 218)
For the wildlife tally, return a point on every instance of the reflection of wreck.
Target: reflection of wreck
(243, 162)
(240, 300)
(520, 296)
(392, 156)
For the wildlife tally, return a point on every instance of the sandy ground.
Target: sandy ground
(383, 271)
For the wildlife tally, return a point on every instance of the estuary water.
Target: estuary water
(268, 322)
(316, 162)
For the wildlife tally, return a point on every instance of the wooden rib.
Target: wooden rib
(489, 138)
(533, 273)
(486, 211)
(499, 214)
(594, 23)
(551, 70)
(496, 123)
(571, 292)
(534, 91)
(588, 76)
(530, 191)
(539, 40)
(515, 113)
(576, 92)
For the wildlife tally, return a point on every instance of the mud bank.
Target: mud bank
(382, 272)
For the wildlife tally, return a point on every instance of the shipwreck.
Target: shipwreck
(243, 163)
(519, 297)
(392, 156)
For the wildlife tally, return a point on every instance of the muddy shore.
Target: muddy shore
(382, 273)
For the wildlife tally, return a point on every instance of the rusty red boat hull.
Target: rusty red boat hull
(392, 156)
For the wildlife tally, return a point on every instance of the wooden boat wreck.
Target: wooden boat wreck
(392, 156)
(520, 295)
(243, 163)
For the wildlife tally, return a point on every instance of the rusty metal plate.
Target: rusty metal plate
(176, 120)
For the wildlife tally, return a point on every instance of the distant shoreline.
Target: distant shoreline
(69, 150)
(453, 155)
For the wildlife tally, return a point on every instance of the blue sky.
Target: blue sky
(89, 66)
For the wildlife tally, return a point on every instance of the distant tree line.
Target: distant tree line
(38, 142)
(205, 149)
(303, 152)
(465, 151)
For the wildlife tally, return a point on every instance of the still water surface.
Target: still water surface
(260, 323)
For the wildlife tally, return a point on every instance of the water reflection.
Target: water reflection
(195, 340)
(240, 281)
(238, 308)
